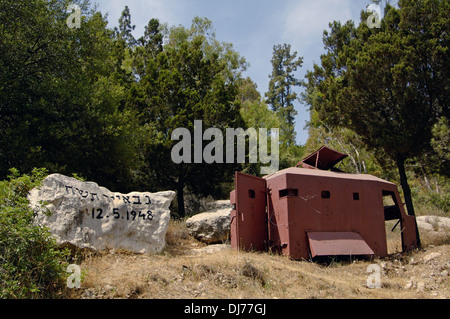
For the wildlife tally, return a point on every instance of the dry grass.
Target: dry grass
(427, 239)
(177, 273)
(178, 241)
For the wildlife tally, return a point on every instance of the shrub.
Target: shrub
(31, 265)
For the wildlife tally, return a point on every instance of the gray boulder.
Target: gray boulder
(435, 228)
(212, 226)
(433, 223)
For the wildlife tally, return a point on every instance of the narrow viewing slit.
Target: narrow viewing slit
(288, 192)
(325, 194)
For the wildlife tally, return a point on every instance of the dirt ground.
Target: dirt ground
(188, 269)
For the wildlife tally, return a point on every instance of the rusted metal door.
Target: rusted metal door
(249, 229)
(337, 243)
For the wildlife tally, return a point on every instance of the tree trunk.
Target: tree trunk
(436, 182)
(364, 166)
(180, 192)
(180, 200)
(425, 177)
(400, 161)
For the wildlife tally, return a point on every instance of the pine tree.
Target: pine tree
(389, 85)
(190, 79)
(281, 94)
(126, 28)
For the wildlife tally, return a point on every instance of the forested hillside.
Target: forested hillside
(99, 103)
(83, 99)
(96, 102)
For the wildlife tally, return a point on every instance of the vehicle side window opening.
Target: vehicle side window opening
(288, 192)
(325, 194)
(391, 208)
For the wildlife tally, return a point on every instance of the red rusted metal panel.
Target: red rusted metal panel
(337, 243)
(324, 158)
(233, 221)
(249, 218)
(408, 224)
(324, 201)
(303, 201)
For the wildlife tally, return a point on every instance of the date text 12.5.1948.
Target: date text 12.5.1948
(97, 213)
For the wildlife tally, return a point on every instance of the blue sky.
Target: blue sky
(252, 26)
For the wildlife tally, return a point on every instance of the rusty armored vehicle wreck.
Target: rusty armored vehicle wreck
(314, 210)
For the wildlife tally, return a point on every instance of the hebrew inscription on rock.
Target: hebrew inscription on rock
(90, 216)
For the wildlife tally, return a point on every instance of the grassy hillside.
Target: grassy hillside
(186, 270)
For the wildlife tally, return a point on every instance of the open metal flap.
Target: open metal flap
(249, 229)
(337, 243)
(324, 158)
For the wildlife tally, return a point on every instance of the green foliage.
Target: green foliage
(440, 201)
(440, 143)
(62, 92)
(125, 28)
(100, 103)
(388, 85)
(31, 265)
(254, 111)
(193, 77)
(281, 94)
(431, 192)
(359, 160)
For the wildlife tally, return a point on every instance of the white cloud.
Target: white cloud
(253, 26)
(165, 11)
(142, 11)
(303, 26)
(305, 21)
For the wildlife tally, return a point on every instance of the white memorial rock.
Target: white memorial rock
(89, 216)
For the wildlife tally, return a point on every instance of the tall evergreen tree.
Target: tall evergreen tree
(191, 79)
(389, 85)
(59, 98)
(126, 28)
(148, 48)
(281, 95)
